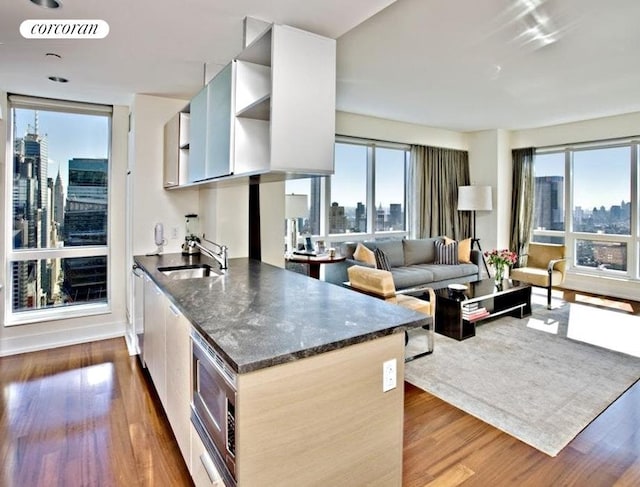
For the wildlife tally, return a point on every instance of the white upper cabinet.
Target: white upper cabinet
(270, 111)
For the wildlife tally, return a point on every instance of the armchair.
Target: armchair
(379, 283)
(545, 267)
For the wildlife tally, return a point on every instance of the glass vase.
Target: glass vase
(499, 276)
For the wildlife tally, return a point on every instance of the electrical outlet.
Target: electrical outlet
(389, 373)
(174, 233)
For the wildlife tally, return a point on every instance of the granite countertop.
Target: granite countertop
(257, 315)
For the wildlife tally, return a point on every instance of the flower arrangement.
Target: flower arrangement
(501, 259)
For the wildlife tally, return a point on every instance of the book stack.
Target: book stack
(473, 312)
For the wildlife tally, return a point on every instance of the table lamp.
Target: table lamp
(295, 206)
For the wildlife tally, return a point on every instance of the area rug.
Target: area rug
(526, 377)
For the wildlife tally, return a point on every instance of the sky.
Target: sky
(602, 177)
(68, 136)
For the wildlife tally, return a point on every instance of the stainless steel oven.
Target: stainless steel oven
(213, 406)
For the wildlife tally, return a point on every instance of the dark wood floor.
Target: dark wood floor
(83, 416)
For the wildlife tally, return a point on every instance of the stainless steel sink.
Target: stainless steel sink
(194, 271)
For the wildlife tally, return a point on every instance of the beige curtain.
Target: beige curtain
(434, 176)
(522, 200)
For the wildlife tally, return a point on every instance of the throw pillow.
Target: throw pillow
(381, 260)
(464, 249)
(447, 253)
(364, 254)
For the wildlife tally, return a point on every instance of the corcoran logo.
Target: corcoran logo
(64, 29)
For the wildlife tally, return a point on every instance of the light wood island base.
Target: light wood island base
(323, 420)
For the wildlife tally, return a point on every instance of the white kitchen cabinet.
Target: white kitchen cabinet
(285, 103)
(198, 134)
(178, 367)
(154, 351)
(270, 111)
(219, 113)
(203, 470)
(176, 149)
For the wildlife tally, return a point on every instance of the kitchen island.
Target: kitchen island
(309, 357)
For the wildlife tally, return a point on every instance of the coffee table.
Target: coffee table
(457, 313)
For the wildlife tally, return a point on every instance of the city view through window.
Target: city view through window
(59, 208)
(362, 172)
(601, 195)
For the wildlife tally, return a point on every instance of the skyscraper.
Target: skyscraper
(396, 217)
(361, 218)
(31, 225)
(337, 219)
(85, 223)
(549, 202)
(58, 203)
(314, 209)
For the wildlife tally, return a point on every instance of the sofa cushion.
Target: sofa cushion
(364, 254)
(404, 277)
(447, 253)
(464, 249)
(393, 251)
(419, 251)
(443, 272)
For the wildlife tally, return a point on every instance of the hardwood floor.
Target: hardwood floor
(83, 416)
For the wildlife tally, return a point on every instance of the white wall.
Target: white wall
(149, 202)
(272, 223)
(588, 130)
(225, 217)
(49, 334)
(355, 125)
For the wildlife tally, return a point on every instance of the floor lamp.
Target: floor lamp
(475, 198)
(295, 206)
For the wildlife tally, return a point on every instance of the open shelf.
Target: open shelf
(259, 110)
(259, 51)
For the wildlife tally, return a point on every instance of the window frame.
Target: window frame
(571, 236)
(371, 232)
(11, 255)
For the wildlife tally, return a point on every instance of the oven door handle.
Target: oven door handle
(207, 463)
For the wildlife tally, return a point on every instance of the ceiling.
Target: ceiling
(457, 64)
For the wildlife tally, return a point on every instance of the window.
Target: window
(59, 186)
(348, 207)
(600, 184)
(368, 175)
(389, 193)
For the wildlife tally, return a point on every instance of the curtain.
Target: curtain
(522, 200)
(433, 179)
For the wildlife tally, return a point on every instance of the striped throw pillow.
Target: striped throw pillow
(381, 260)
(447, 253)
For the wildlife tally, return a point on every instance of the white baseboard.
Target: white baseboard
(60, 338)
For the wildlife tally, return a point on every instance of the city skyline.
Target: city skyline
(601, 177)
(57, 205)
(90, 137)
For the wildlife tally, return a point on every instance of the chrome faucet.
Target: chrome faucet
(220, 256)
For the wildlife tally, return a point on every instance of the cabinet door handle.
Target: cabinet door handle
(208, 467)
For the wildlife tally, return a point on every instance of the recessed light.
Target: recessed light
(47, 3)
(58, 79)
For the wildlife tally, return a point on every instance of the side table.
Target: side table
(314, 261)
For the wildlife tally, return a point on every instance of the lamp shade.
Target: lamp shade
(474, 198)
(295, 206)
